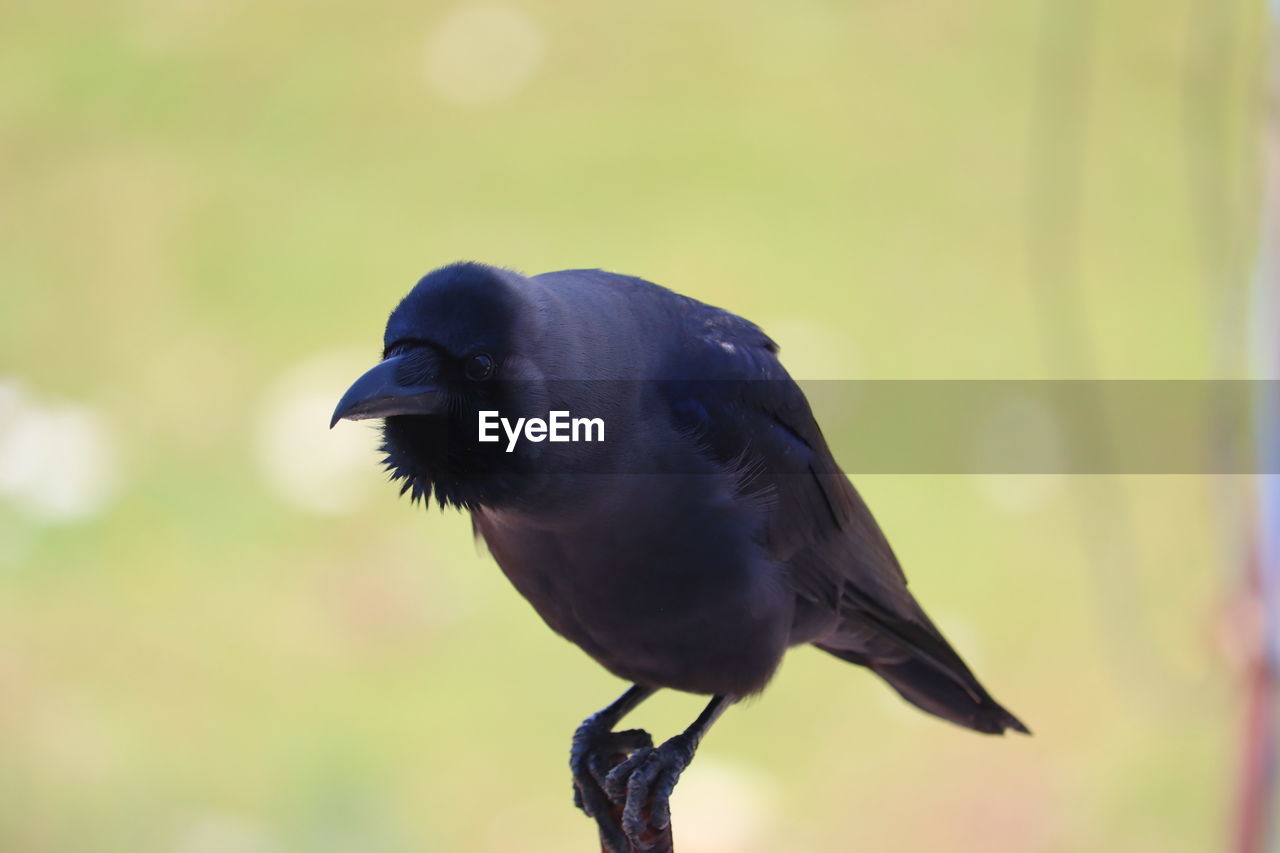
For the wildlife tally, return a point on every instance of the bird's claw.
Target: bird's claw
(596, 751)
(643, 783)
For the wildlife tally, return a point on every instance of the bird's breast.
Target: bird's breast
(663, 581)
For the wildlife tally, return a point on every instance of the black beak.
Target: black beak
(379, 394)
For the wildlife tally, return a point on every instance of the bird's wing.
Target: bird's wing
(733, 395)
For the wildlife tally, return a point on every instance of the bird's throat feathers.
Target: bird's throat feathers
(429, 457)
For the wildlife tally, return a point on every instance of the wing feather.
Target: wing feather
(746, 410)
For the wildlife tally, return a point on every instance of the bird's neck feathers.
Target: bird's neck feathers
(428, 457)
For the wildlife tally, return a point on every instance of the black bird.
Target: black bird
(709, 533)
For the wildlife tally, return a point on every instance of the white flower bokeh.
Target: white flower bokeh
(58, 460)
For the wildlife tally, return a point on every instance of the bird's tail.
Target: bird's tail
(943, 694)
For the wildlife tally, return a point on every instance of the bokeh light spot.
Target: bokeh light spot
(483, 53)
(57, 459)
(224, 833)
(723, 806)
(1018, 453)
(307, 465)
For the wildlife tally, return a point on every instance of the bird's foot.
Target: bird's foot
(643, 784)
(596, 752)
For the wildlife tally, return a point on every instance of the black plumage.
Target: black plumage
(712, 530)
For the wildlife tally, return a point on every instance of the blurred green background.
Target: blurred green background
(221, 632)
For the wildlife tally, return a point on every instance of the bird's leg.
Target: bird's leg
(646, 779)
(597, 748)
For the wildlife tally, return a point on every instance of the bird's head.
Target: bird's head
(451, 349)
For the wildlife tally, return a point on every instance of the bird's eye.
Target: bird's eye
(479, 366)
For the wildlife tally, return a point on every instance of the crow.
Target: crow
(711, 531)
